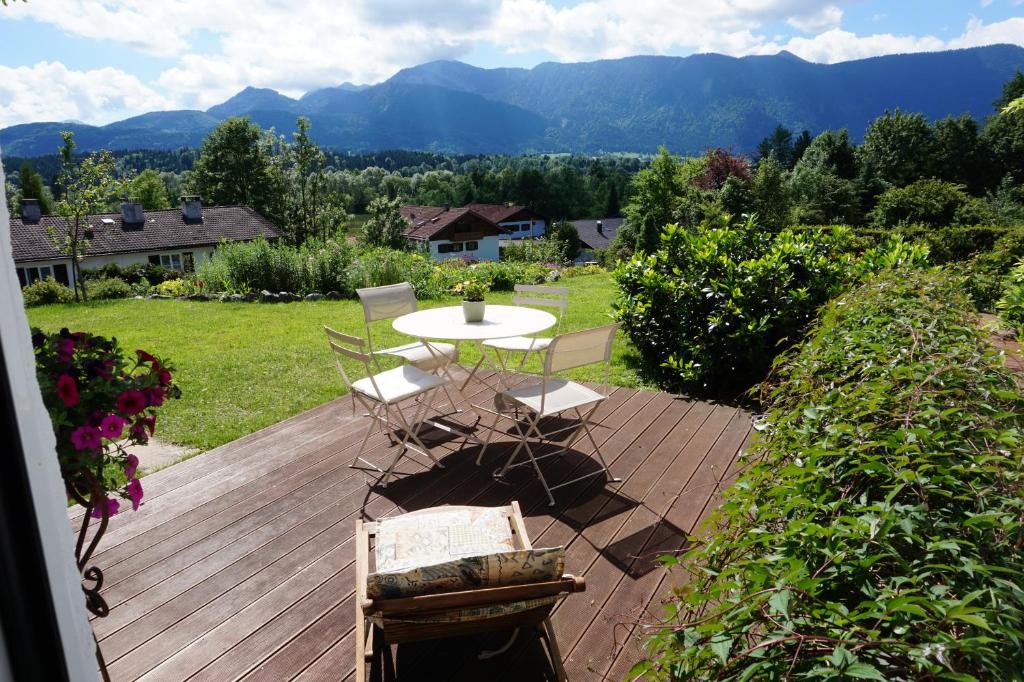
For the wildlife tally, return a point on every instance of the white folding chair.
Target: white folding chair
(391, 301)
(381, 396)
(532, 295)
(553, 396)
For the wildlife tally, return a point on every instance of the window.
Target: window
(455, 247)
(171, 260)
(524, 227)
(28, 275)
(472, 246)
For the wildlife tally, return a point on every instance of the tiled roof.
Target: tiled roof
(427, 221)
(500, 213)
(591, 238)
(161, 230)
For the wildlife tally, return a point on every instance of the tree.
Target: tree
(832, 152)
(820, 197)
(87, 186)
(313, 210)
(1013, 89)
(30, 186)
(385, 227)
(770, 194)
(930, 202)
(901, 146)
(1004, 132)
(236, 165)
(800, 145)
(960, 155)
(611, 204)
(565, 232)
(779, 144)
(149, 189)
(655, 196)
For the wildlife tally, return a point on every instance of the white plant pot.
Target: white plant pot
(473, 311)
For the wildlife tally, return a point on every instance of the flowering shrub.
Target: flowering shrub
(472, 289)
(101, 404)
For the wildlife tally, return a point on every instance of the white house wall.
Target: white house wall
(142, 257)
(488, 250)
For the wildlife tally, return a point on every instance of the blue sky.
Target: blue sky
(101, 61)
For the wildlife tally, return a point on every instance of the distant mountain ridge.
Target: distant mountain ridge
(629, 104)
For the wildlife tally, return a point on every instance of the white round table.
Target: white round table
(500, 322)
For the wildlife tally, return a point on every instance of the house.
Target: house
(453, 232)
(520, 221)
(596, 234)
(176, 238)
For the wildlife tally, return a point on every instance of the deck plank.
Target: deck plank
(240, 565)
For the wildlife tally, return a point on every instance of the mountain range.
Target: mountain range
(632, 104)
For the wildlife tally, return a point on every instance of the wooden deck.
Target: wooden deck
(240, 564)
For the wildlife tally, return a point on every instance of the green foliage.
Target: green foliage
(386, 227)
(564, 233)
(656, 191)
(541, 250)
(504, 276)
(237, 165)
(711, 308)
(582, 271)
(1011, 304)
(876, 532)
(473, 289)
(173, 288)
(901, 146)
(770, 194)
(934, 203)
(149, 189)
(31, 186)
(134, 273)
(44, 291)
(960, 155)
(108, 288)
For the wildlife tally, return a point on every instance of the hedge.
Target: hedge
(877, 531)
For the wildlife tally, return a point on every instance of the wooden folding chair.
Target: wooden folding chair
(453, 571)
(382, 395)
(554, 396)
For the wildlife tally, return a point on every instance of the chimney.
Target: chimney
(600, 227)
(30, 211)
(447, 207)
(191, 208)
(131, 213)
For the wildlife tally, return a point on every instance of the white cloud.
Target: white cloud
(296, 47)
(49, 91)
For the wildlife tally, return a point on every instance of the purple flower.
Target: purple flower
(155, 396)
(111, 427)
(86, 438)
(131, 402)
(110, 503)
(65, 349)
(131, 464)
(135, 493)
(67, 390)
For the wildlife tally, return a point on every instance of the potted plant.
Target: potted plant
(101, 404)
(472, 292)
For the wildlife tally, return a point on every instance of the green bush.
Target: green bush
(876, 532)
(108, 288)
(380, 266)
(711, 308)
(581, 270)
(45, 291)
(541, 250)
(504, 276)
(173, 287)
(931, 202)
(133, 274)
(1011, 305)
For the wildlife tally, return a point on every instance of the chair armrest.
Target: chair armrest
(473, 598)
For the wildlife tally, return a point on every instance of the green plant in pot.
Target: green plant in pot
(472, 292)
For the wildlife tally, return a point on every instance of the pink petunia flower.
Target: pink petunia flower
(67, 390)
(131, 465)
(86, 438)
(155, 396)
(112, 507)
(144, 356)
(164, 376)
(65, 349)
(131, 402)
(135, 493)
(112, 427)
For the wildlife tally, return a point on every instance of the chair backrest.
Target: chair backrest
(387, 302)
(543, 296)
(350, 347)
(577, 349)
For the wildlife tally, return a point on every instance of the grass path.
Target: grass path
(244, 366)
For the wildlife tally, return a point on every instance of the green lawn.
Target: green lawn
(244, 366)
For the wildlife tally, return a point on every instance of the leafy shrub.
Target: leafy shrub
(932, 202)
(1011, 305)
(252, 266)
(711, 307)
(173, 287)
(108, 288)
(582, 270)
(324, 265)
(45, 291)
(541, 250)
(504, 276)
(378, 267)
(132, 274)
(877, 530)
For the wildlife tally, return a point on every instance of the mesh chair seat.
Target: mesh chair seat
(559, 395)
(417, 353)
(398, 384)
(519, 343)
